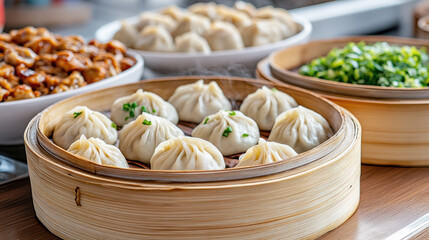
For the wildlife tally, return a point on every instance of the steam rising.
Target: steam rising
(234, 69)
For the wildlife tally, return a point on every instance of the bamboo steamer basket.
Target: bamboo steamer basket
(300, 201)
(394, 131)
(285, 63)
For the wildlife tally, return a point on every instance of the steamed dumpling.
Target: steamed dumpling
(156, 19)
(127, 34)
(197, 100)
(139, 138)
(262, 32)
(83, 121)
(264, 153)
(265, 105)
(192, 42)
(98, 151)
(300, 128)
(154, 38)
(192, 23)
(280, 14)
(230, 131)
(245, 7)
(187, 153)
(126, 109)
(224, 36)
(233, 16)
(174, 12)
(208, 10)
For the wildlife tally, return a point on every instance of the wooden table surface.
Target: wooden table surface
(393, 201)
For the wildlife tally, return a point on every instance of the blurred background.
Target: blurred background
(330, 18)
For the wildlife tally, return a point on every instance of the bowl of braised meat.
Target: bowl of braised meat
(39, 68)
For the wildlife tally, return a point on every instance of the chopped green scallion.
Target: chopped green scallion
(146, 122)
(379, 64)
(143, 109)
(129, 107)
(227, 131)
(76, 114)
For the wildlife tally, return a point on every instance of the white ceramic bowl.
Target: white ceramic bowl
(183, 62)
(15, 115)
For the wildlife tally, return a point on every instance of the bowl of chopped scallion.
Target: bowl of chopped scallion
(366, 66)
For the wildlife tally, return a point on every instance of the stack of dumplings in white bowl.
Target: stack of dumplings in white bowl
(153, 131)
(207, 27)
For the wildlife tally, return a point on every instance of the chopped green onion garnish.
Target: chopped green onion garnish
(227, 131)
(114, 126)
(245, 135)
(153, 110)
(129, 107)
(126, 107)
(205, 121)
(274, 89)
(379, 64)
(76, 114)
(143, 109)
(232, 113)
(146, 122)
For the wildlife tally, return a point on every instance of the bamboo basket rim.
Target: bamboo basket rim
(355, 90)
(263, 69)
(193, 176)
(32, 143)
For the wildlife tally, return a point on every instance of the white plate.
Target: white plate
(15, 115)
(184, 62)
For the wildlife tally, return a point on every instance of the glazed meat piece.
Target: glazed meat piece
(42, 45)
(4, 46)
(23, 72)
(8, 73)
(46, 63)
(60, 88)
(95, 73)
(4, 83)
(90, 51)
(116, 47)
(69, 61)
(126, 63)
(96, 44)
(22, 92)
(20, 55)
(111, 62)
(71, 43)
(27, 34)
(35, 62)
(3, 94)
(36, 80)
(52, 81)
(4, 37)
(6, 70)
(74, 80)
